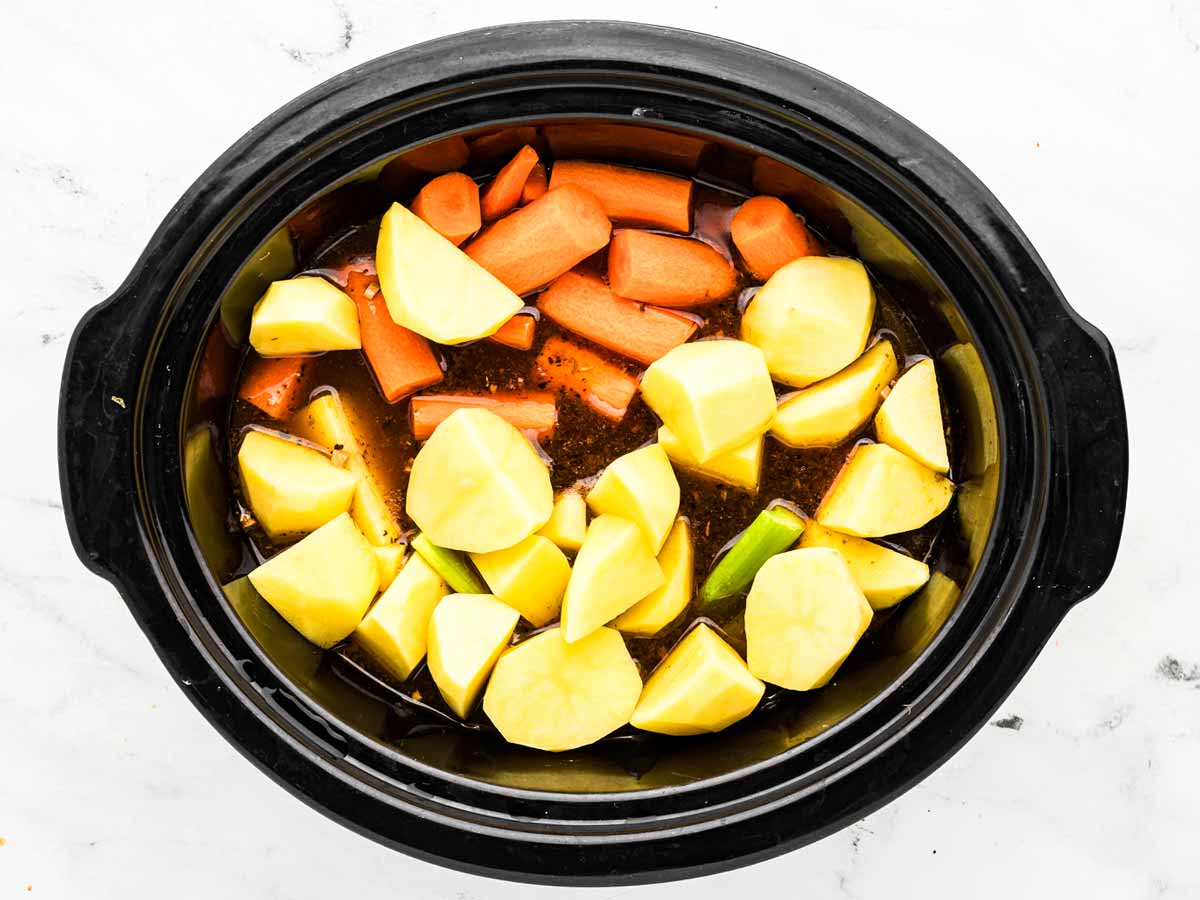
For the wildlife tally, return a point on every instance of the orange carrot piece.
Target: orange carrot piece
(585, 305)
(402, 360)
(535, 185)
(502, 144)
(668, 271)
(534, 412)
(272, 383)
(630, 142)
(630, 195)
(538, 242)
(768, 235)
(445, 155)
(605, 387)
(504, 192)
(450, 205)
(517, 332)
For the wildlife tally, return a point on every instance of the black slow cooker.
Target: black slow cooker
(1040, 457)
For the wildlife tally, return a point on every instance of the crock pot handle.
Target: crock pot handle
(95, 436)
(1091, 476)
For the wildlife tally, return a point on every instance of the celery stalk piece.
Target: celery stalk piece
(451, 565)
(773, 531)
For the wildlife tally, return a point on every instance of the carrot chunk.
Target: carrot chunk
(447, 155)
(535, 185)
(768, 235)
(504, 192)
(538, 242)
(517, 332)
(668, 271)
(272, 384)
(585, 305)
(630, 142)
(605, 387)
(534, 412)
(402, 360)
(631, 196)
(502, 144)
(450, 204)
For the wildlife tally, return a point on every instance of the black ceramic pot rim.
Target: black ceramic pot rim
(1062, 431)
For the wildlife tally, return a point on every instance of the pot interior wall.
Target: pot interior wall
(628, 760)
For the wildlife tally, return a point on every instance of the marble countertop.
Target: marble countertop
(1080, 116)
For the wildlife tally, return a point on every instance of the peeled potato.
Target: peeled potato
(829, 411)
(812, 318)
(396, 629)
(911, 418)
(477, 484)
(740, 466)
(655, 612)
(432, 287)
(614, 570)
(568, 522)
(881, 491)
(712, 395)
(323, 584)
(530, 577)
(467, 634)
(885, 576)
(702, 685)
(292, 489)
(305, 314)
(641, 487)
(390, 558)
(804, 614)
(549, 694)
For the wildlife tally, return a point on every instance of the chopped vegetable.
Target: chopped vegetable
(773, 531)
(881, 491)
(450, 205)
(450, 565)
(606, 388)
(533, 412)
(432, 287)
(535, 185)
(305, 314)
(640, 487)
(322, 585)
(702, 686)
(518, 332)
(504, 192)
(768, 235)
(537, 243)
(656, 611)
(568, 522)
(390, 558)
(555, 696)
(467, 634)
(885, 576)
(631, 196)
(911, 418)
(273, 385)
(804, 615)
(502, 144)
(585, 305)
(395, 631)
(668, 271)
(530, 577)
(739, 467)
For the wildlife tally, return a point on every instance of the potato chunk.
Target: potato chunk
(324, 422)
(830, 411)
(530, 577)
(881, 491)
(467, 634)
(292, 489)
(702, 685)
(804, 614)
(432, 287)
(655, 612)
(712, 395)
(911, 418)
(812, 318)
(323, 584)
(739, 467)
(477, 484)
(641, 487)
(305, 314)
(396, 629)
(614, 570)
(549, 694)
(568, 522)
(390, 558)
(884, 576)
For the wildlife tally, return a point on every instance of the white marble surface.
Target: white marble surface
(1080, 115)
